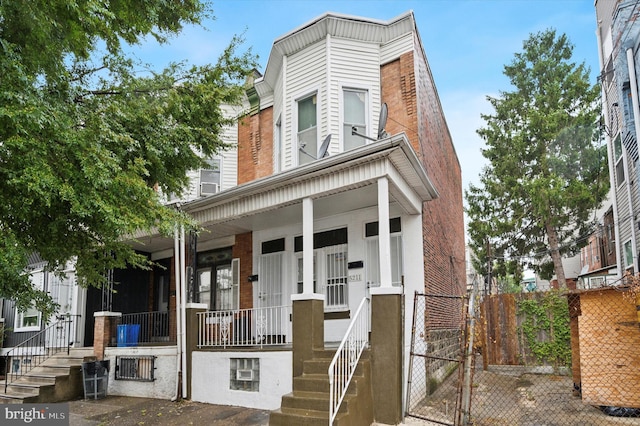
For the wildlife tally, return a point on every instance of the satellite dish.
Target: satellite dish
(382, 121)
(324, 148)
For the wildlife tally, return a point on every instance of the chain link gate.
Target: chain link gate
(437, 369)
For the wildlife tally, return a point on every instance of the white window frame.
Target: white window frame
(619, 160)
(628, 254)
(308, 155)
(37, 279)
(202, 182)
(367, 113)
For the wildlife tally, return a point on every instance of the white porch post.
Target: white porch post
(307, 246)
(384, 237)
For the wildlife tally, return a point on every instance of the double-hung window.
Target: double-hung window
(617, 153)
(210, 178)
(307, 129)
(29, 320)
(354, 104)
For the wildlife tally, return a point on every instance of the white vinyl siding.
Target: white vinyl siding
(305, 74)
(354, 65)
(392, 50)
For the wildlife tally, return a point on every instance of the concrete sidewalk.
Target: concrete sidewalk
(129, 411)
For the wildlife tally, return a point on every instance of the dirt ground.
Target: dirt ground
(516, 397)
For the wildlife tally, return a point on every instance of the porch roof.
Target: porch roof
(337, 184)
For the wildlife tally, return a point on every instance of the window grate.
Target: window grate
(137, 368)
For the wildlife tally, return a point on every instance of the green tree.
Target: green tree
(86, 139)
(547, 167)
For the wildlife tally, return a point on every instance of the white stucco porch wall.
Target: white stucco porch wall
(164, 385)
(211, 372)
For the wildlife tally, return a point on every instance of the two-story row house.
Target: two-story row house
(341, 200)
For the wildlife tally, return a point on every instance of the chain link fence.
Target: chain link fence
(548, 358)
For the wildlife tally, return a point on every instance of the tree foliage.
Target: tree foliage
(547, 168)
(86, 139)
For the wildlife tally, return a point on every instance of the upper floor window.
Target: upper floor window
(628, 255)
(354, 115)
(307, 129)
(617, 152)
(210, 178)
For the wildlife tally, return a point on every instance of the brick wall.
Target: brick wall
(243, 250)
(255, 146)
(414, 108)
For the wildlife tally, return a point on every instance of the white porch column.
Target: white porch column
(307, 246)
(384, 237)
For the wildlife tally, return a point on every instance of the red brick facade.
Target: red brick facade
(414, 108)
(243, 250)
(255, 146)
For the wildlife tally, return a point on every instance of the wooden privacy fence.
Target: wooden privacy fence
(525, 329)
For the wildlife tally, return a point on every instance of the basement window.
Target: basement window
(136, 368)
(245, 374)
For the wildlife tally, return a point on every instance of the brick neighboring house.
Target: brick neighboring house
(294, 241)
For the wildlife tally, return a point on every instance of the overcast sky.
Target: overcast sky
(467, 43)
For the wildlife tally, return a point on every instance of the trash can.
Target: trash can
(95, 375)
(127, 335)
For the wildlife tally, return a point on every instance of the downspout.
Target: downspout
(183, 311)
(636, 124)
(176, 267)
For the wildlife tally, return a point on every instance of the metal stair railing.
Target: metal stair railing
(34, 351)
(345, 361)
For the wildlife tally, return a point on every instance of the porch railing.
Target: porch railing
(245, 327)
(143, 328)
(34, 351)
(345, 361)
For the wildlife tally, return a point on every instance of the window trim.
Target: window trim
(367, 112)
(624, 248)
(19, 316)
(296, 143)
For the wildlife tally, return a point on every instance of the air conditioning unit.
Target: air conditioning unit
(207, 188)
(244, 375)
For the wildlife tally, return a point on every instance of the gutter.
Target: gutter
(381, 147)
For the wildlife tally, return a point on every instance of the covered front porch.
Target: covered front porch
(326, 235)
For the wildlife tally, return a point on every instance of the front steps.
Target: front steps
(308, 404)
(57, 379)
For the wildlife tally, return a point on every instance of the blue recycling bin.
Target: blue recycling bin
(128, 335)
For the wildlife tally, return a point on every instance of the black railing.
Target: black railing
(143, 328)
(34, 351)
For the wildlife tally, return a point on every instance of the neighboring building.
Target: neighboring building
(330, 210)
(599, 266)
(618, 37)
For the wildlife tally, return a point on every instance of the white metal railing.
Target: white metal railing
(245, 327)
(346, 359)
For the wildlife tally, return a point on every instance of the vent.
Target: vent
(244, 375)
